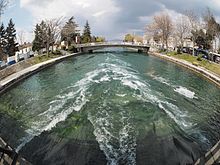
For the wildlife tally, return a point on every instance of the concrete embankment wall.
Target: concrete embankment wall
(202, 71)
(15, 68)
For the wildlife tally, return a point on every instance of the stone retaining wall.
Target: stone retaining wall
(15, 68)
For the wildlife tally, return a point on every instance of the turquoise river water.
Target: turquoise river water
(112, 107)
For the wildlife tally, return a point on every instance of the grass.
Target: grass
(213, 67)
(42, 58)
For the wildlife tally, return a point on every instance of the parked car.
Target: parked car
(11, 60)
(2, 65)
(204, 53)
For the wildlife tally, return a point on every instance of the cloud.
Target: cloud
(113, 18)
(99, 13)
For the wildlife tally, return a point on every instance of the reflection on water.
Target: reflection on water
(111, 108)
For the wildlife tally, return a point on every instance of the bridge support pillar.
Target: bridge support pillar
(85, 50)
(140, 51)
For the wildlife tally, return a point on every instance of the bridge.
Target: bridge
(90, 47)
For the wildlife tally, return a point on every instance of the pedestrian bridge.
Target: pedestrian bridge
(90, 47)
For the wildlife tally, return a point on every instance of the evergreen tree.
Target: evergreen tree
(12, 45)
(86, 37)
(2, 42)
(44, 37)
(69, 31)
(38, 42)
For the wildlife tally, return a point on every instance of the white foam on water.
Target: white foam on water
(121, 95)
(181, 90)
(57, 112)
(103, 131)
(162, 80)
(185, 92)
(79, 96)
(181, 118)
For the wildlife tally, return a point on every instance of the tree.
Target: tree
(11, 46)
(100, 39)
(194, 25)
(69, 31)
(182, 29)
(86, 36)
(162, 26)
(2, 42)
(129, 38)
(47, 33)
(21, 37)
(3, 5)
(38, 42)
(54, 27)
(211, 26)
(46, 36)
(202, 38)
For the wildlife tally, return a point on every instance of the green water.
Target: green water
(111, 108)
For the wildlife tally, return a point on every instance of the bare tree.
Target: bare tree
(21, 37)
(3, 5)
(54, 26)
(211, 26)
(194, 22)
(182, 29)
(162, 26)
(47, 33)
(69, 31)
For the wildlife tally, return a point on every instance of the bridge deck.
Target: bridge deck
(89, 47)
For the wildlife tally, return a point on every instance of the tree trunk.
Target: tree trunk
(193, 47)
(47, 47)
(52, 48)
(167, 45)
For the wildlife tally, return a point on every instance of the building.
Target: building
(138, 39)
(24, 52)
(187, 42)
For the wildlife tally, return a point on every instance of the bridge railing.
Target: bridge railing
(109, 43)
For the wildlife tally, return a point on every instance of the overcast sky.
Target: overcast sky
(109, 18)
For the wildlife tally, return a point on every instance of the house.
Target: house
(24, 52)
(187, 42)
(64, 45)
(149, 40)
(138, 39)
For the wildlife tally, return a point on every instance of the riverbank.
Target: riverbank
(14, 78)
(200, 70)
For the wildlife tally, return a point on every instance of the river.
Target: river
(112, 107)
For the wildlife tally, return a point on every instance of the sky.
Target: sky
(111, 19)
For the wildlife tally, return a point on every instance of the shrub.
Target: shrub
(57, 52)
(199, 58)
(178, 50)
(195, 63)
(72, 49)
